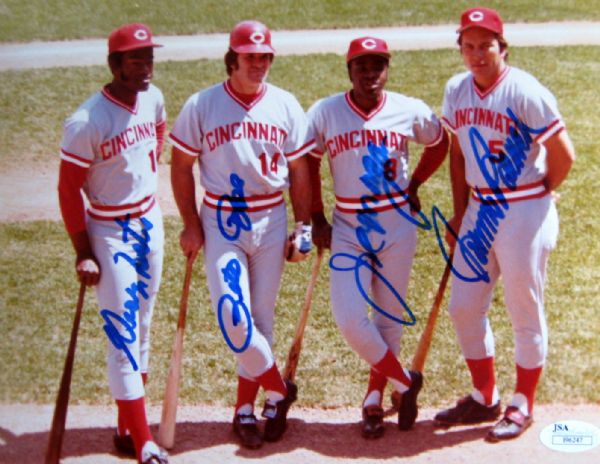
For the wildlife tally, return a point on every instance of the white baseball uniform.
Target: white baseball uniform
(117, 145)
(370, 219)
(243, 151)
(511, 224)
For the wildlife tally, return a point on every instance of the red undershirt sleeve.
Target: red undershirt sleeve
(70, 181)
(161, 128)
(314, 166)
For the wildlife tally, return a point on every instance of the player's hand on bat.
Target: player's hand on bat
(88, 270)
(191, 240)
(452, 230)
(299, 243)
(321, 234)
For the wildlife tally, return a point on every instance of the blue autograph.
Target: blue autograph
(231, 274)
(378, 183)
(238, 219)
(505, 169)
(141, 248)
(355, 263)
(128, 320)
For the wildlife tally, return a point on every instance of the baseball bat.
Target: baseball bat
(166, 429)
(418, 361)
(62, 399)
(294, 354)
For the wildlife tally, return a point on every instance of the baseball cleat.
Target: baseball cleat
(276, 413)
(467, 411)
(407, 414)
(124, 444)
(244, 426)
(512, 425)
(372, 422)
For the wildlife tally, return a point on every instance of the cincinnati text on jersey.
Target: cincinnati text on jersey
(357, 139)
(483, 117)
(127, 138)
(245, 130)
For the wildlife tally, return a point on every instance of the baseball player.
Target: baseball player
(110, 150)
(510, 151)
(365, 132)
(249, 138)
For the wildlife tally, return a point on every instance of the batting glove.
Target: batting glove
(299, 243)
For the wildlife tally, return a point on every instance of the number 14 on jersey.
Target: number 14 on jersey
(267, 164)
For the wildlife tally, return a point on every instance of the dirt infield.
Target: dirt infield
(314, 436)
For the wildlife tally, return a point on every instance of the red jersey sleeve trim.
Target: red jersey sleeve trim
(301, 151)
(448, 125)
(74, 159)
(183, 146)
(552, 129)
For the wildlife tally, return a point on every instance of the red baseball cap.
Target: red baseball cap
(130, 37)
(250, 37)
(367, 46)
(481, 17)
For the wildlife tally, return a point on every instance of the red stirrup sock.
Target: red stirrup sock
(377, 383)
(121, 427)
(133, 413)
(392, 369)
(484, 378)
(246, 392)
(527, 381)
(273, 384)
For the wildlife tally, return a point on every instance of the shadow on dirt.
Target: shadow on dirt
(339, 440)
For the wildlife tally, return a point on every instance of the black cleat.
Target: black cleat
(124, 444)
(512, 425)
(276, 413)
(407, 414)
(467, 411)
(372, 422)
(244, 426)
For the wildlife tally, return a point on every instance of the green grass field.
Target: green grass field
(64, 19)
(38, 288)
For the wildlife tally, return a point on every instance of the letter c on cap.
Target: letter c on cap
(257, 37)
(140, 34)
(476, 16)
(369, 44)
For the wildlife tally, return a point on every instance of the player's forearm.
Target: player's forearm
(300, 190)
(184, 187)
(82, 246)
(314, 167)
(560, 157)
(460, 188)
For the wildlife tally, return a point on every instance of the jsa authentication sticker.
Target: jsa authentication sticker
(570, 436)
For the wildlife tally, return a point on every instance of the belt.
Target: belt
(134, 210)
(522, 192)
(375, 203)
(247, 204)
